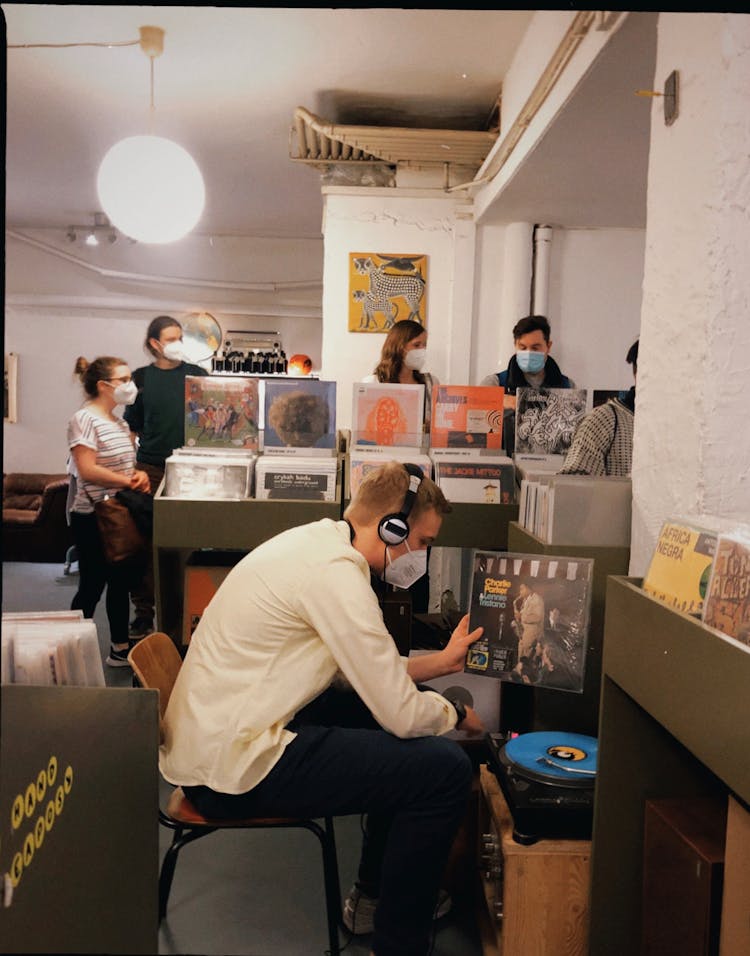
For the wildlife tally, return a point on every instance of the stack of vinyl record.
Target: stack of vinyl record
(296, 477)
(222, 473)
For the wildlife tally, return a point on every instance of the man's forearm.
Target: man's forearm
(425, 667)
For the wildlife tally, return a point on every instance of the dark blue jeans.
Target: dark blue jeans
(414, 791)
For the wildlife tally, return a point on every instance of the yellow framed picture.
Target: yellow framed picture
(384, 289)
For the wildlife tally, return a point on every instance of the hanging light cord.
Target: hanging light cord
(59, 46)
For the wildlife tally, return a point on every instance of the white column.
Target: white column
(692, 440)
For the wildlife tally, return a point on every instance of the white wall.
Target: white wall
(399, 222)
(594, 299)
(692, 445)
(63, 301)
(596, 280)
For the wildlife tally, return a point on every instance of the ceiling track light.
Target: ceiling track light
(93, 235)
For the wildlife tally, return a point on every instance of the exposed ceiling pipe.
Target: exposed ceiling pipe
(540, 270)
(545, 84)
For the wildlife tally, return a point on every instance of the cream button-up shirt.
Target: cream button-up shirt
(295, 614)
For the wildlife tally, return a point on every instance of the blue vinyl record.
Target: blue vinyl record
(559, 757)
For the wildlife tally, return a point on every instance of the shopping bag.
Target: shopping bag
(120, 536)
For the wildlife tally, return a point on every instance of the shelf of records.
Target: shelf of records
(55, 648)
(576, 510)
(701, 567)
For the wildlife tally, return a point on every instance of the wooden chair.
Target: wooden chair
(156, 663)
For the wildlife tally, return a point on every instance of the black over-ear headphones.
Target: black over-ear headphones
(394, 528)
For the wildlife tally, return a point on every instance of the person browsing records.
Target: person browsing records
(293, 700)
(402, 361)
(531, 365)
(103, 461)
(157, 417)
(603, 442)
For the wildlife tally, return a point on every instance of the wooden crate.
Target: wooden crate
(543, 891)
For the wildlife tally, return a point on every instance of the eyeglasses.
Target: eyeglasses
(123, 378)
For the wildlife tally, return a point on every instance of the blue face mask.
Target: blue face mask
(529, 361)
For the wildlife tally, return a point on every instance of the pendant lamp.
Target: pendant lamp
(150, 187)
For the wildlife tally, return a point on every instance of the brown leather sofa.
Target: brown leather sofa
(34, 523)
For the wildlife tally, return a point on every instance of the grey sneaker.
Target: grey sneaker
(359, 910)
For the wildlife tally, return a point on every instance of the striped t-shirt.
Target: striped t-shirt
(114, 450)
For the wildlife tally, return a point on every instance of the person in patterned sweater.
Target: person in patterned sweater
(603, 442)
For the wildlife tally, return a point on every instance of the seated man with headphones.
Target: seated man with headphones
(293, 700)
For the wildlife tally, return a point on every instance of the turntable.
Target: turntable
(548, 781)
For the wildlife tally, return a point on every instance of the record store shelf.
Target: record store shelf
(674, 723)
(182, 526)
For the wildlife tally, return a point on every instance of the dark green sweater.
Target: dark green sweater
(158, 414)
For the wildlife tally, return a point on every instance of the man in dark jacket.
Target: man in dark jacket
(531, 366)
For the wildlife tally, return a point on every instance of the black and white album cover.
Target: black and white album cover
(547, 418)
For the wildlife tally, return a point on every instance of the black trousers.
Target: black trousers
(95, 574)
(414, 791)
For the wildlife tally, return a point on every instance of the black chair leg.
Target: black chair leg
(327, 841)
(180, 839)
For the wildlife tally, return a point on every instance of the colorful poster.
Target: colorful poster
(384, 289)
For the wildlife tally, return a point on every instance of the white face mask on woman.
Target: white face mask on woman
(125, 393)
(415, 359)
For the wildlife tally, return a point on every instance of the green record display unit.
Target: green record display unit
(79, 798)
(675, 713)
(183, 526)
(526, 708)
(477, 526)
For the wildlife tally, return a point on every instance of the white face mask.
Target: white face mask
(415, 359)
(173, 351)
(125, 393)
(406, 569)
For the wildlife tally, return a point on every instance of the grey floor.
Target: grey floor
(251, 893)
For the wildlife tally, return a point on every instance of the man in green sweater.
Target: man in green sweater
(158, 418)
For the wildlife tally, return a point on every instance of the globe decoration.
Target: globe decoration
(201, 337)
(299, 364)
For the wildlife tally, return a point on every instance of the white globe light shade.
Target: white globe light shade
(151, 189)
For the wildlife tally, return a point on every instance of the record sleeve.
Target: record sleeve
(467, 416)
(310, 479)
(483, 481)
(547, 418)
(387, 414)
(221, 411)
(299, 414)
(727, 603)
(680, 566)
(535, 613)
(208, 476)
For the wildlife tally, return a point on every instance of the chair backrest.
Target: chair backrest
(156, 663)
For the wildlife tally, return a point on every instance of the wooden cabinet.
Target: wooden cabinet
(674, 723)
(533, 899)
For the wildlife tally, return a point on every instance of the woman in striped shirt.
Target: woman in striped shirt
(103, 451)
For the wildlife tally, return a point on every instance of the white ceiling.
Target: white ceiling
(226, 88)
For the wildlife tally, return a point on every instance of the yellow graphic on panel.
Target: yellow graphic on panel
(23, 807)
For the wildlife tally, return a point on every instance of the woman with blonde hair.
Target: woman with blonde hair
(103, 452)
